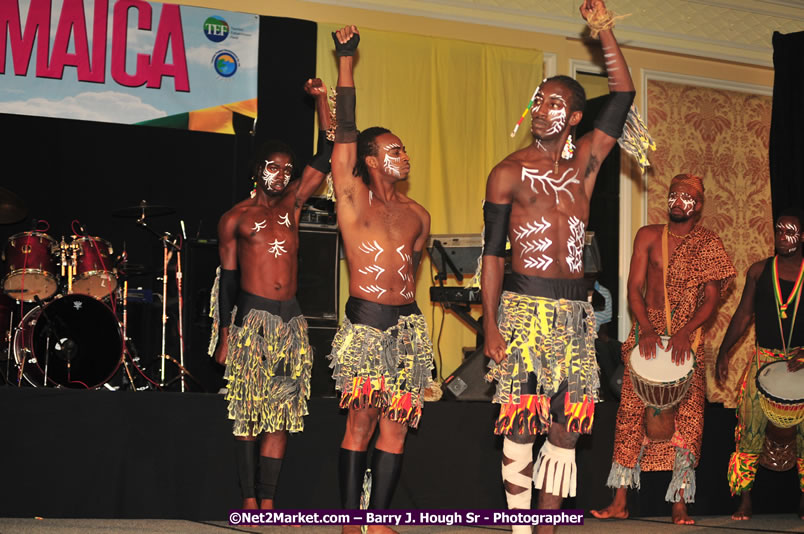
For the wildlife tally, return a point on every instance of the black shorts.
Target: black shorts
(551, 288)
(379, 316)
(284, 309)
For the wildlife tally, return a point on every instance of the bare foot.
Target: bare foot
(679, 514)
(618, 509)
(611, 511)
(267, 504)
(350, 529)
(743, 512)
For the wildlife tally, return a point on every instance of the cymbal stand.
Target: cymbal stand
(166, 256)
(9, 338)
(125, 338)
(179, 276)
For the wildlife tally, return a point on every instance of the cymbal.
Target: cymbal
(12, 207)
(143, 209)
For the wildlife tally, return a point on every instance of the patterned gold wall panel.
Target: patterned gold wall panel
(723, 137)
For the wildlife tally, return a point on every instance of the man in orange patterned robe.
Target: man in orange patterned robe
(698, 273)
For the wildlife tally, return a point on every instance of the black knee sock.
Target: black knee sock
(267, 476)
(351, 467)
(385, 467)
(246, 460)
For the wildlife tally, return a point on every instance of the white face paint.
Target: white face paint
(558, 116)
(392, 165)
(557, 112)
(259, 225)
(687, 202)
(273, 174)
(276, 248)
(546, 180)
(791, 233)
(575, 245)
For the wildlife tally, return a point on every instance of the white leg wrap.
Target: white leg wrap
(522, 455)
(558, 465)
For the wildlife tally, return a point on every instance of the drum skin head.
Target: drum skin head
(661, 368)
(779, 383)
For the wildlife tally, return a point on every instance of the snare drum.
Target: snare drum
(75, 340)
(781, 393)
(93, 273)
(30, 267)
(659, 382)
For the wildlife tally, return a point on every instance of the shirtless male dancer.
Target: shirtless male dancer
(265, 348)
(542, 338)
(382, 357)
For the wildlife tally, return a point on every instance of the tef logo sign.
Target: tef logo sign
(216, 29)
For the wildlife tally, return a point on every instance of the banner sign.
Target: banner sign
(126, 61)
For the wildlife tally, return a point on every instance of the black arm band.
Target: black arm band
(320, 161)
(227, 295)
(346, 129)
(496, 217)
(417, 257)
(612, 116)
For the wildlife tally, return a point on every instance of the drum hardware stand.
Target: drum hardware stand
(69, 265)
(125, 337)
(166, 257)
(9, 338)
(65, 348)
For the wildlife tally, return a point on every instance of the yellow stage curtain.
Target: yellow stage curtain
(721, 136)
(453, 103)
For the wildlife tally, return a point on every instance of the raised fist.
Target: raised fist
(346, 40)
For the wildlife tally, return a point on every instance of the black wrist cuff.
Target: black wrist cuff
(348, 48)
(612, 117)
(323, 153)
(346, 130)
(496, 217)
(227, 294)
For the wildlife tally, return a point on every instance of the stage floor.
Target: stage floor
(71, 454)
(708, 524)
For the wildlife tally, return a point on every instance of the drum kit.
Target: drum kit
(69, 329)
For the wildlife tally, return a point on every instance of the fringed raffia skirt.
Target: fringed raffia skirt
(386, 369)
(553, 342)
(268, 366)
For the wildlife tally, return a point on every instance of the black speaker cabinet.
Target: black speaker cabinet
(466, 383)
(317, 294)
(318, 273)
